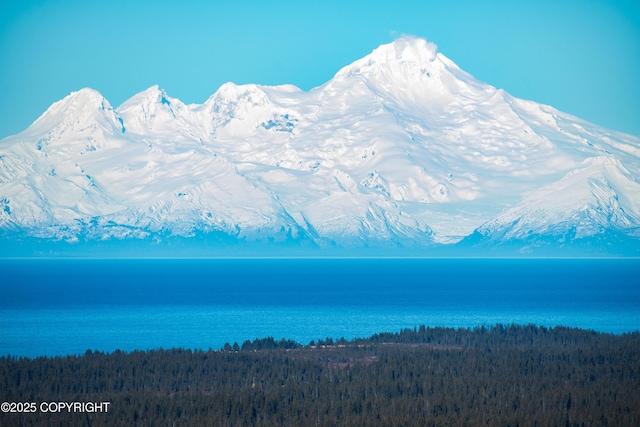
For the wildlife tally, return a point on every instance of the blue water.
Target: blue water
(59, 307)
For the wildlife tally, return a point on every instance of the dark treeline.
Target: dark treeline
(497, 376)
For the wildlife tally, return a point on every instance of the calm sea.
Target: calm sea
(59, 307)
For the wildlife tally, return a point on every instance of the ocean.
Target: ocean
(51, 307)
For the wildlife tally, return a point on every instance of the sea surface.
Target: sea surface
(54, 307)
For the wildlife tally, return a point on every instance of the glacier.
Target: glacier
(401, 152)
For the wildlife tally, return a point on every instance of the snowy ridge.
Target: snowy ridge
(401, 148)
(599, 194)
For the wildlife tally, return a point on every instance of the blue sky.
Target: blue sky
(582, 57)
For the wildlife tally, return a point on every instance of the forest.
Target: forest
(503, 375)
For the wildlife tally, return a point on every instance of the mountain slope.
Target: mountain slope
(400, 149)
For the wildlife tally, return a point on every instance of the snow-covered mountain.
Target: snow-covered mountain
(400, 149)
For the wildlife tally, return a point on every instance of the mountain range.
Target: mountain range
(400, 151)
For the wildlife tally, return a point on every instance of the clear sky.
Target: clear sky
(582, 57)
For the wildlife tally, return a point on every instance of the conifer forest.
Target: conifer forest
(503, 375)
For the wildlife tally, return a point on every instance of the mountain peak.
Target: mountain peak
(84, 95)
(152, 95)
(406, 54)
(412, 75)
(407, 49)
(149, 108)
(77, 110)
(230, 92)
(83, 98)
